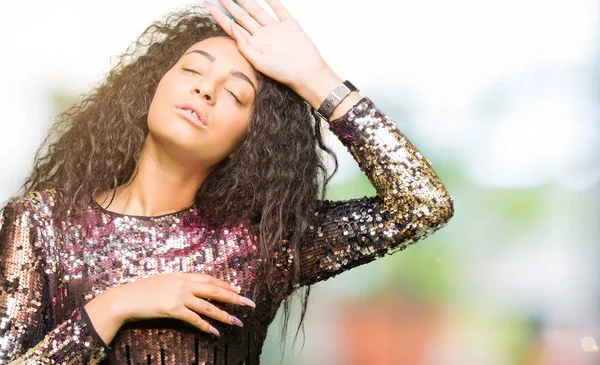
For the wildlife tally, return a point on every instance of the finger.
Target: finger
(220, 17)
(201, 306)
(197, 321)
(257, 12)
(246, 49)
(207, 279)
(224, 21)
(279, 10)
(237, 29)
(241, 16)
(207, 291)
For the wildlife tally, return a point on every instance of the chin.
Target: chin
(175, 137)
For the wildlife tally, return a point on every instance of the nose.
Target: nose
(204, 95)
(205, 91)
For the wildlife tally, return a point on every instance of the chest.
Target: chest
(129, 249)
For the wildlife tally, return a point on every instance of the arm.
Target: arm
(411, 201)
(25, 299)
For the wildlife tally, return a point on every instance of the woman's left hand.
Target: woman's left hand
(278, 48)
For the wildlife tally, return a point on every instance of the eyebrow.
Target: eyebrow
(235, 73)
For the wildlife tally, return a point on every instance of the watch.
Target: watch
(334, 98)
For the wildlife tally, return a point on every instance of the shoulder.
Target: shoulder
(37, 198)
(21, 227)
(29, 207)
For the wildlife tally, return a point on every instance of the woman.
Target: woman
(173, 210)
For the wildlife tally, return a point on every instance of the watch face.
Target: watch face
(334, 98)
(340, 91)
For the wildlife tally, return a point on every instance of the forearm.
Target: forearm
(410, 189)
(411, 201)
(71, 342)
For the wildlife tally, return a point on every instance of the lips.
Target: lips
(194, 113)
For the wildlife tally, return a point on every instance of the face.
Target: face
(202, 105)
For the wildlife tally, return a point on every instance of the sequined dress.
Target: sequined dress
(42, 277)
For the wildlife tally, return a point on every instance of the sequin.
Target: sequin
(46, 282)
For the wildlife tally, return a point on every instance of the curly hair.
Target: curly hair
(275, 179)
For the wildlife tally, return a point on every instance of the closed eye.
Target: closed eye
(192, 71)
(235, 97)
(237, 100)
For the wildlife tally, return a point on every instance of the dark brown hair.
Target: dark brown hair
(275, 179)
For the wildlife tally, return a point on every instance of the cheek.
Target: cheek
(161, 100)
(233, 127)
(163, 90)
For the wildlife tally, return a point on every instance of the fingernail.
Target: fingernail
(236, 321)
(235, 288)
(214, 331)
(206, 4)
(247, 301)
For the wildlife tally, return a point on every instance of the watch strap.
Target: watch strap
(334, 98)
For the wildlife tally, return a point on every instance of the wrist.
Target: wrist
(104, 318)
(318, 86)
(322, 82)
(111, 306)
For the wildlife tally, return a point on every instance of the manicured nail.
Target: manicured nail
(206, 3)
(214, 331)
(247, 301)
(236, 321)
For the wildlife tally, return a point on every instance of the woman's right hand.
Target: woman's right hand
(177, 295)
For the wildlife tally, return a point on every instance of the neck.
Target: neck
(161, 184)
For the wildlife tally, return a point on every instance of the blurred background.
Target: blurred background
(501, 95)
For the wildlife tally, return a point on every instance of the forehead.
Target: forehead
(225, 52)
